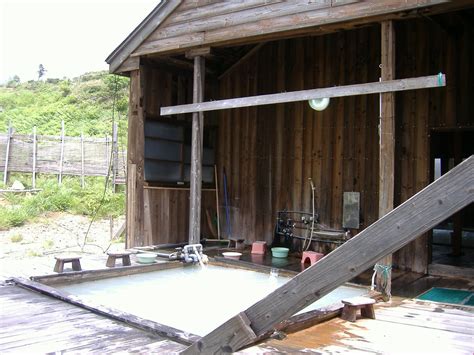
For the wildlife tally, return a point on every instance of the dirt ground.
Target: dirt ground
(27, 249)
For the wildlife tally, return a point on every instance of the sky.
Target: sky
(69, 37)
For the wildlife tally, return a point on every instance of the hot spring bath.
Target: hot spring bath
(190, 298)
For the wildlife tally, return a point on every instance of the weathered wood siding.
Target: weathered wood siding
(270, 152)
(446, 45)
(209, 22)
(166, 211)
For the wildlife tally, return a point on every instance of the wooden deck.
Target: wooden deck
(404, 327)
(33, 323)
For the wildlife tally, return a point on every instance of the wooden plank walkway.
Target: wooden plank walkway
(404, 327)
(34, 323)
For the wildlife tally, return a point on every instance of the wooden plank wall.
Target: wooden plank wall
(270, 152)
(199, 23)
(166, 211)
(444, 44)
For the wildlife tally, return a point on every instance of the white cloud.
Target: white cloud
(69, 37)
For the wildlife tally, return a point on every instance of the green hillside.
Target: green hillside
(84, 103)
(87, 105)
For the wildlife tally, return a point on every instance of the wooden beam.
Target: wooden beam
(441, 199)
(247, 55)
(387, 148)
(198, 52)
(135, 161)
(303, 95)
(196, 154)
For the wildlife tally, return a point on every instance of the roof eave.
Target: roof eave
(140, 33)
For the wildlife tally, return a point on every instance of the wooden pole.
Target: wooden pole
(387, 149)
(33, 177)
(7, 155)
(441, 199)
(82, 160)
(196, 154)
(61, 158)
(114, 155)
(294, 96)
(107, 157)
(217, 204)
(135, 160)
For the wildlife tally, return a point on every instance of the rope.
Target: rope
(384, 272)
(107, 178)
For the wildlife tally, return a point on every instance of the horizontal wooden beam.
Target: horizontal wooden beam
(441, 199)
(294, 96)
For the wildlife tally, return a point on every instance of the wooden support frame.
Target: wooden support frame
(303, 95)
(439, 200)
(387, 147)
(196, 153)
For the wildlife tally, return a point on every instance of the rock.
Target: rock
(17, 185)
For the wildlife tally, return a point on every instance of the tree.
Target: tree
(41, 71)
(13, 82)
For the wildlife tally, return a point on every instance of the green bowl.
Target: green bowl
(146, 258)
(280, 252)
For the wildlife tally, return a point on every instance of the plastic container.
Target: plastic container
(146, 258)
(280, 252)
(232, 255)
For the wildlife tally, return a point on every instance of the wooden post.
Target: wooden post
(196, 154)
(107, 157)
(387, 149)
(114, 155)
(61, 158)
(135, 160)
(7, 155)
(33, 177)
(82, 160)
(217, 204)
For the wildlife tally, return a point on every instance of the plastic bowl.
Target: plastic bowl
(280, 252)
(146, 258)
(232, 255)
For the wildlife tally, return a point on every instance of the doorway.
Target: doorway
(452, 241)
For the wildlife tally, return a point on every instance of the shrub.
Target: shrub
(16, 238)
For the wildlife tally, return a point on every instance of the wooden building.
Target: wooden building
(268, 153)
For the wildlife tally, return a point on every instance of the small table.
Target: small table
(62, 259)
(124, 255)
(352, 305)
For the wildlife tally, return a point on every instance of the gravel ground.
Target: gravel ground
(25, 249)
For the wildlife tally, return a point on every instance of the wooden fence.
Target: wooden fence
(62, 155)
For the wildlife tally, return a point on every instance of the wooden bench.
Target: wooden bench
(352, 305)
(62, 259)
(124, 255)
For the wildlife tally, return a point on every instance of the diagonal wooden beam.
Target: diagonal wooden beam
(293, 96)
(441, 199)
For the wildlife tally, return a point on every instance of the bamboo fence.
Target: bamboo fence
(62, 155)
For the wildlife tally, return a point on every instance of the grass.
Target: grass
(16, 238)
(67, 197)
